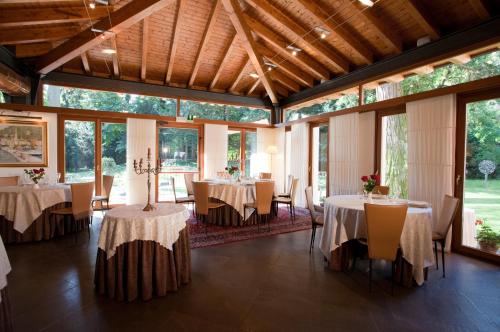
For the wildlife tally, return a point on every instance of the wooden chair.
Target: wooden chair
(202, 203)
(263, 201)
(107, 185)
(81, 204)
(450, 208)
(9, 180)
(289, 187)
(188, 180)
(265, 176)
(381, 190)
(290, 202)
(181, 200)
(384, 224)
(317, 216)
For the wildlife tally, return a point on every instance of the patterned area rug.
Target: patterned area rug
(217, 235)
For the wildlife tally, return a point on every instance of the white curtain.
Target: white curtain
(431, 149)
(366, 150)
(300, 160)
(263, 161)
(344, 155)
(215, 149)
(141, 135)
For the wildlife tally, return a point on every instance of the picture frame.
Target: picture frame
(23, 143)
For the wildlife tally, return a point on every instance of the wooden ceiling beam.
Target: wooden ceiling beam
(338, 30)
(254, 86)
(114, 56)
(17, 17)
(287, 67)
(36, 35)
(480, 9)
(302, 59)
(227, 55)
(301, 34)
(236, 15)
(238, 78)
(33, 50)
(204, 41)
(145, 44)
(121, 19)
(278, 76)
(423, 18)
(179, 14)
(281, 89)
(85, 63)
(382, 29)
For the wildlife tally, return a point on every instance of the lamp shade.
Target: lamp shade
(272, 149)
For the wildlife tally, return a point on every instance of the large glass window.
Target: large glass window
(343, 102)
(250, 150)
(234, 149)
(242, 145)
(114, 158)
(79, 149)
(319, 162)
(224, 112)
(394, 154)
(58, 96)
(178, 149)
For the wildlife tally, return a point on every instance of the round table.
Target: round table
(5, 310)
(345, 221)
(143, 254)
(25, 212)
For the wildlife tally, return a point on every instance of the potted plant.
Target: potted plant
(369, 182)
(487, 238)
(35, 175)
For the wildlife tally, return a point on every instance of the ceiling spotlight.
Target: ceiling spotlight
(92, 4)
(323, 33)
(294, 50)
(368, 3)
(270, 65)
(109, 51)
(254, 75)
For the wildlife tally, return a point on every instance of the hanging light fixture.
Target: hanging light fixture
(368, 3)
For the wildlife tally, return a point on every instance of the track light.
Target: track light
(323, 33)
(368, 3)
(270, 65)
(109, 51)
(294, 50)
(92, 4)
(254, 75)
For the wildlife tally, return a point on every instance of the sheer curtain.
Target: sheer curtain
(215, 149)
(431, 150)
(300, 160)
(141, 135)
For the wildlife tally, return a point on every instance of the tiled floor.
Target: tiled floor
(269, 284)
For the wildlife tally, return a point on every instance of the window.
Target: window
(319, 175)
(250, 150)
(58, 96)
(234, 149)
(224, 112)
(178, 149)
(343, 102)
(79, 151)
(242, 145)
(394, 153)
(114, 158)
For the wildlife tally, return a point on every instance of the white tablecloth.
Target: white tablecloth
(129, 223)
(234, 194)
(24, 204)
(4, 266)
(345, 220)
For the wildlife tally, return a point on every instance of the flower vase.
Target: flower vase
(370, 195)
(36, 186)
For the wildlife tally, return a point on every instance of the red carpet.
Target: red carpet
(217, 235)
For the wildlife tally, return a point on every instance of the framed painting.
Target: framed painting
(23, 143)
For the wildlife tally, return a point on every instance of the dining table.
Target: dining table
(5, 309)
(235, 194)
(344, 223)
(25, 212)
(143, 254)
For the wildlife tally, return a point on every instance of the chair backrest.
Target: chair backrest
(289, 184)
(201, 197)
(172, 183)
(293, 194)
(264, 196)
(265, 176)
(310, 203)
(385, 225)
(9, 180)
(448, 212)
(81, 199)
(382, 190)
(107, 185)
(188, 179)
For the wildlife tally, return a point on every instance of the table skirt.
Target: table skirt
(5, 312)
(341, 260)
(229, 216)
(143, 269)
(43, 228)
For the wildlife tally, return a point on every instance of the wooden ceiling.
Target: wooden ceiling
(215, 45)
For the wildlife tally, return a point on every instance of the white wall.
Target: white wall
(215, 149)
(51, 147)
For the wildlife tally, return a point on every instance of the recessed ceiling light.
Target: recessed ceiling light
(368, 3)
(254, 75)
(109, 51)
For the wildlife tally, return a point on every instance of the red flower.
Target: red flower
(226, 168)
(36, 171)
(364, 178)
(479, 222)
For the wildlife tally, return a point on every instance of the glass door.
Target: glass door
(114, 158)
(478, 177)
(319, 169)
(79, 151)
(179, 150)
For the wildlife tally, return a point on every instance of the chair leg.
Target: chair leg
(311, 245)
(107, 203)
(370, 275)
(88, 226)
(436, 254)
(392, 277)
(442, 256)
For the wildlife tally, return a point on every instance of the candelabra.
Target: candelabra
(149, 170)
